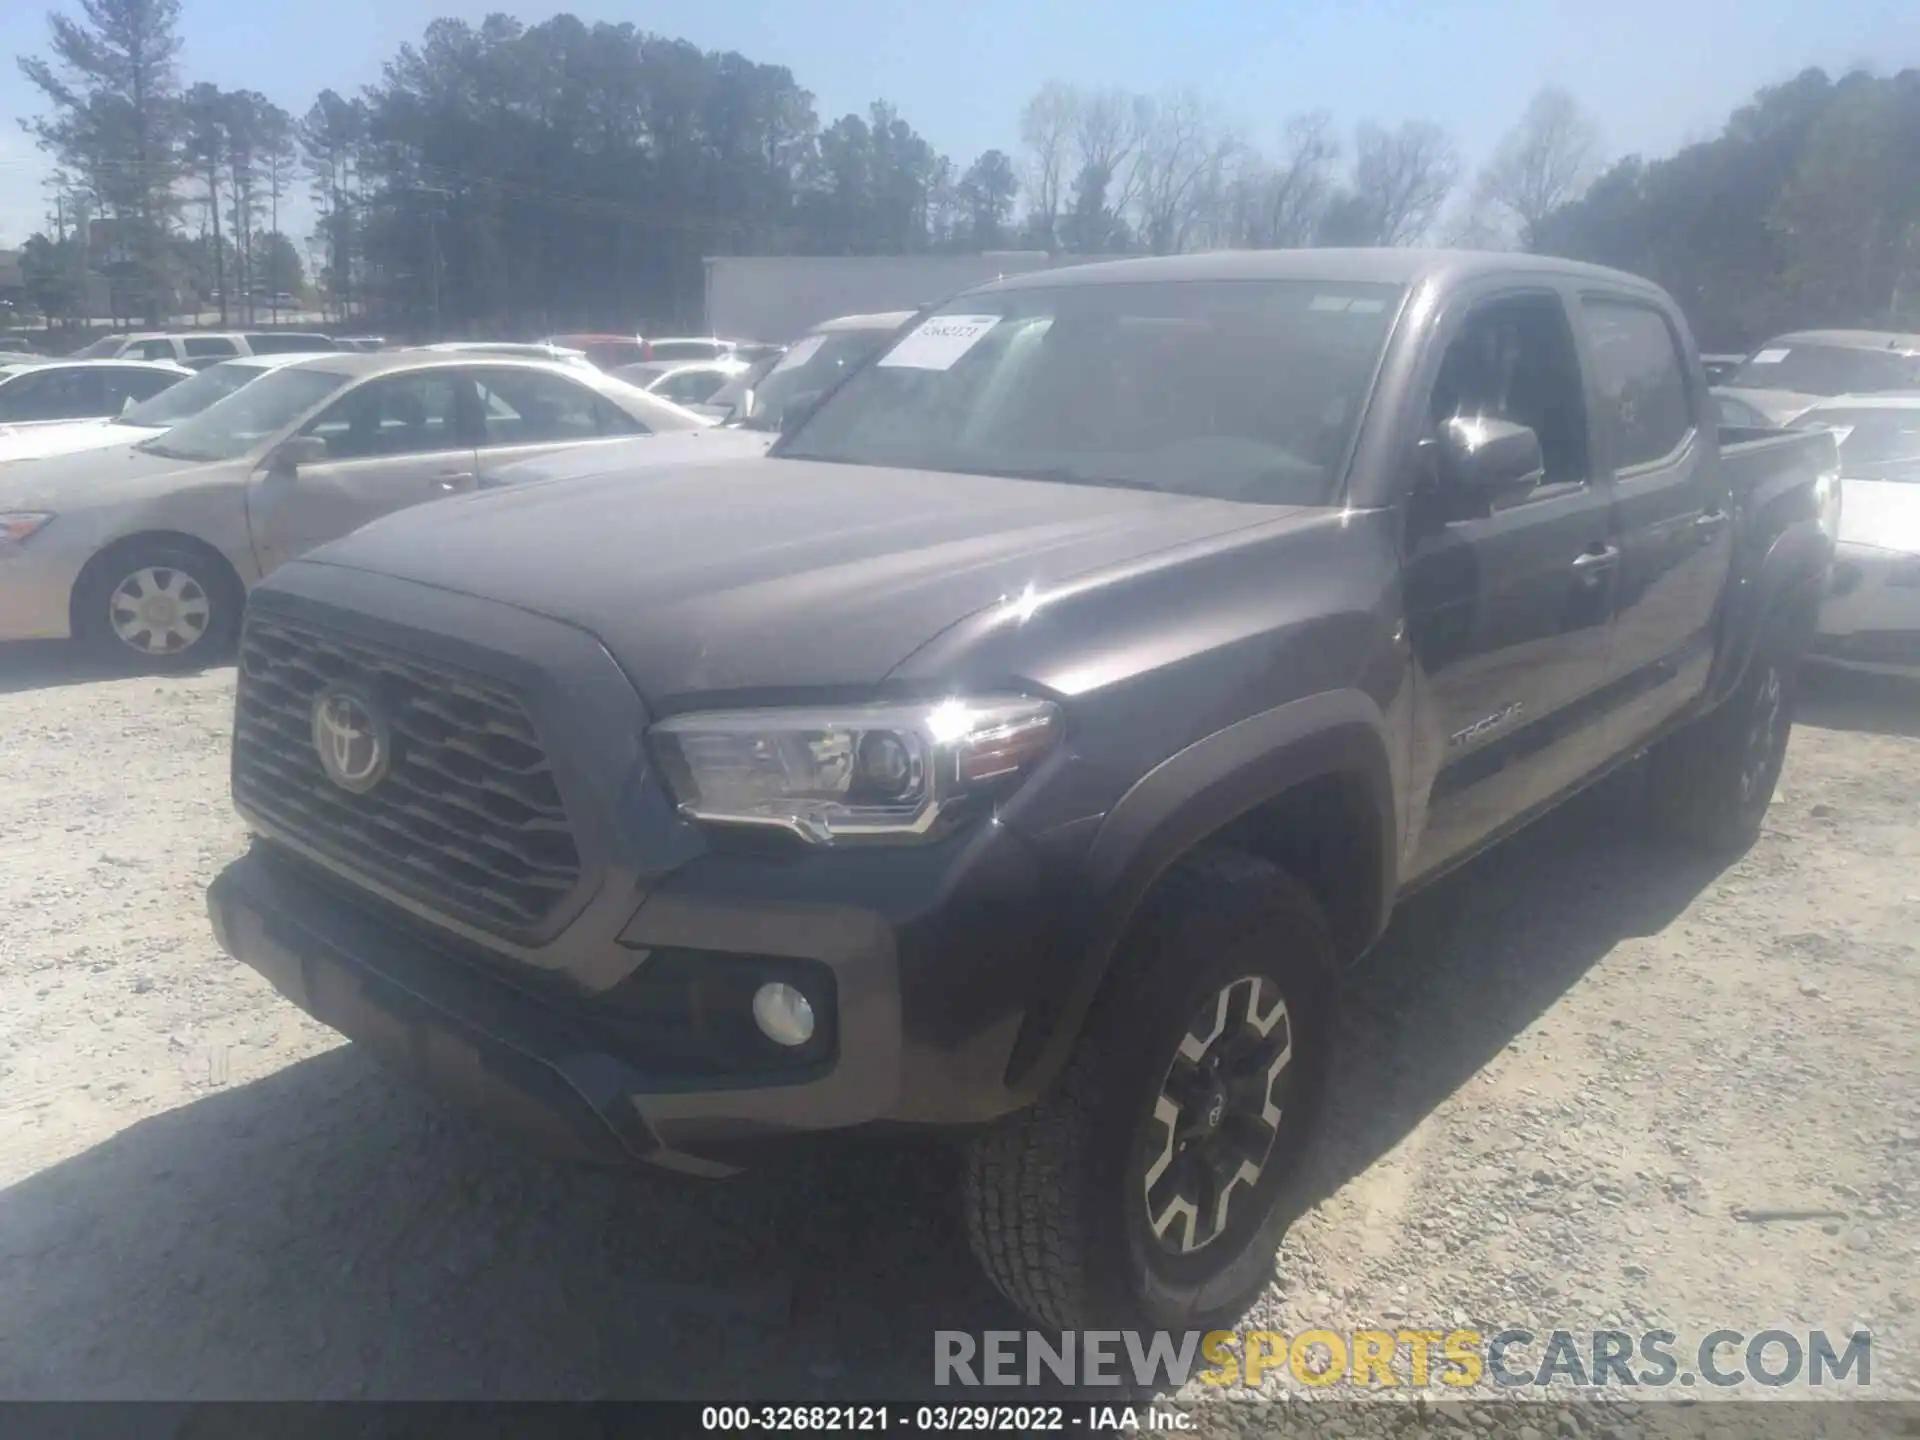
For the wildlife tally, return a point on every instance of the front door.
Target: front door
(393, 441)
(1509, 609)
(1672, 510)
(524, 413)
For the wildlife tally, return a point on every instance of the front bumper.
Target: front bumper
(36, 590)
(1871, 618)
(920, 992)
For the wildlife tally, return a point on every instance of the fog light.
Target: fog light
(783, 1014)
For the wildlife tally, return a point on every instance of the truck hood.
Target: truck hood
(1882, 513)
(31, 442)
(107, 473)
(775, 574)
(1779, 406)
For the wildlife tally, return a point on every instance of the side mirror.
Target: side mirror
(1489, 461)
(295, 451)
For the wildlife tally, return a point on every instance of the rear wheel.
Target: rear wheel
(1143, 1191)
(1711, 783)
(152, 606)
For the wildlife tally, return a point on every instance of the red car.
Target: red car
(606, 351)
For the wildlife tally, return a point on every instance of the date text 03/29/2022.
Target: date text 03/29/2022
(940, 1419)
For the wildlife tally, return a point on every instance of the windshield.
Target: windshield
(1827, 370)
(190, 397)
(253, 413)
(105, 348)
(1875, 444)
(812, 367)
(1239, 390)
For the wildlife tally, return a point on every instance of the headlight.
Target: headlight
(17, 525)
(858, 770)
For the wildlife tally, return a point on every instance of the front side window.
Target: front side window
(151, 350)
(121, 388)
(1237, 390)
(249, 417)
(415, 414)
(1646, 407)
(190, 397)
(218, 347)
(1513, 359)
(528, 407)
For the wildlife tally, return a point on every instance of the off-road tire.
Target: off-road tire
(93, 596)
(1048, 1189)
(1710, 784)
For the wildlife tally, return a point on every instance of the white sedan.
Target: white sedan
(143, 421)
(145, 552)
(1871, 619)
(44, 392)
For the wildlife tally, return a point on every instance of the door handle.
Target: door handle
(1710, 524)
(1591, 564)
(456, 481)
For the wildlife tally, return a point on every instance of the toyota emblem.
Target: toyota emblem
(352, 738)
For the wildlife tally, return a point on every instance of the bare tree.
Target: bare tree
(1180, 158)
(1546, 160)
(1280, 204)
(1401, 181)
(1046, 129)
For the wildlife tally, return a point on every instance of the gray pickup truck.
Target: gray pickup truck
(1022, 748)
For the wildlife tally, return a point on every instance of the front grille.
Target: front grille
(468, 818)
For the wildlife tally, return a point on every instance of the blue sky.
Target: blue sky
(1656, 73)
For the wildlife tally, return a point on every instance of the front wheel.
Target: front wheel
(1143, 1191)
(156, 607)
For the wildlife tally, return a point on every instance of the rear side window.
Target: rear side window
(687, 349)
(1646, 407)
(218, 347)
(286, 342)
(529, 407)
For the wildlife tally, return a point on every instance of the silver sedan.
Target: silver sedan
(145, 552)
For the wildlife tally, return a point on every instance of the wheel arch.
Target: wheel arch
(1307, 785)
(224, 569)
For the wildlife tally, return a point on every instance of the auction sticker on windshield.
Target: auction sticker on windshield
(939, 342)
(799, 354)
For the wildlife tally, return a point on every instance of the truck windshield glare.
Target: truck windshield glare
(1237, 390)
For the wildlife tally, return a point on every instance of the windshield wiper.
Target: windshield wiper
(1058, 475)
(154, 447)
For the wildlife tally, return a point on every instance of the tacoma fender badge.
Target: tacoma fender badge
(1485, 725)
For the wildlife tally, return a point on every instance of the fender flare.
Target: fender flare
(1193, 794)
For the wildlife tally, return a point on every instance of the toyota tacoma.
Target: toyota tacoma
(1024, 745)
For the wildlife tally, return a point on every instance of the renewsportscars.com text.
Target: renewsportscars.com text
(1404, 1358)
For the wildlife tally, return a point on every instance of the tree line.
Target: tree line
(507, 178)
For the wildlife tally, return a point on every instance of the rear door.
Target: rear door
(392, 441)
(522, 413)
(1509, 609)
(1655, 433)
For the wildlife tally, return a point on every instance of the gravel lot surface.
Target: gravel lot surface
(1573, 1083)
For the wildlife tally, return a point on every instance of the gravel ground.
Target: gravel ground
(1569, 1080)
